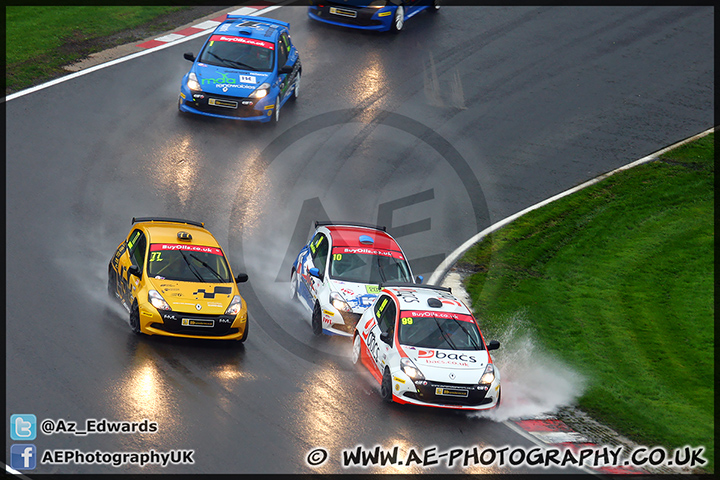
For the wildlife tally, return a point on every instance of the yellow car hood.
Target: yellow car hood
(191, 297)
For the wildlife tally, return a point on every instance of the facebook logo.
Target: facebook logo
(22, 456)
(23, 427)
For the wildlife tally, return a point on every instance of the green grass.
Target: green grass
(617, 281)
(40, 40)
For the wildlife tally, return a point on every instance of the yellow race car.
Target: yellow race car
(173, 278)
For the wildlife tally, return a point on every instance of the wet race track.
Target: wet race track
(464, 118)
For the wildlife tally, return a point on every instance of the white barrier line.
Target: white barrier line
(122, 59)
(445, 266)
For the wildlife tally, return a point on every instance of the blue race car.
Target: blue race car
(379, 15)
(247, 70)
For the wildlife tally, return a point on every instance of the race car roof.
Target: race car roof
(167, 232)
(251, 27)
(349, 236)
(420, 298)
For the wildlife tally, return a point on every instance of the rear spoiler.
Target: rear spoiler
(166, 219)
(414, 285)
(257, 19)
(318, 223)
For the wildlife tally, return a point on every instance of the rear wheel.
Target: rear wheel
(135, 319)
(386, 387)
(317, 320)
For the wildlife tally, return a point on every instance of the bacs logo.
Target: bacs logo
(427, 354)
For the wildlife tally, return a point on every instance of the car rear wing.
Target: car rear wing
(318, 223)
(257, 19)
(166, 219)
(414, 285)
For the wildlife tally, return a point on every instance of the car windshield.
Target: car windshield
(439, 330)
(239, 52)
(375, 267)
(188, 263)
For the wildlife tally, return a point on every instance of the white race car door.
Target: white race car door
(381, 336)
(319, 248)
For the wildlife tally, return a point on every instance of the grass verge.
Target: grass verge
(41, 39)
(617, 281)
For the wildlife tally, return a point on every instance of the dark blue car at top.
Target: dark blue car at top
(379, 15)
(247, 70)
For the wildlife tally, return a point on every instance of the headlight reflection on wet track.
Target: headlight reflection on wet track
(144, 391)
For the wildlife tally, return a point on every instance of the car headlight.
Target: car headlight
(489, 376)
(261, 91)
(235, 306)
(157, 300)
(407, 366)
(339, 302)
(192, 83)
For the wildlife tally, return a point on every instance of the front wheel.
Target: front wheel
(317, 320)
(357, 346)
(296, 88)
(398, 21)
(293, 285)
(135, 319)
(386, 387)
(245, 333)
(180, 112)
(276, 111)
(112, 284)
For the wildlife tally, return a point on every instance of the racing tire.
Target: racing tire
(356, 349)
(398, 21)
(135, 319)
(112, 284)
(296, 88)
(276, 112)
(245, 333)
(386, 387)
(317, 320)
(180, 112)
(434, 7)
(293, 285)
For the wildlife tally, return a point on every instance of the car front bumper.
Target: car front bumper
(191, 325)
(364, 19)
(232, 108)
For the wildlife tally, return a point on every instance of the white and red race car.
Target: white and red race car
(336, 275)
(424, 347)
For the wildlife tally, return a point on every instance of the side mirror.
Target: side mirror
(134, 270)
(189, 56)
(386, 337)
(419, 279)
(493, 345)
(315, 273)
(286, 69)
(242, 277)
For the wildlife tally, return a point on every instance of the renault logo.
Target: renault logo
(452, 376)
(198, 306)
